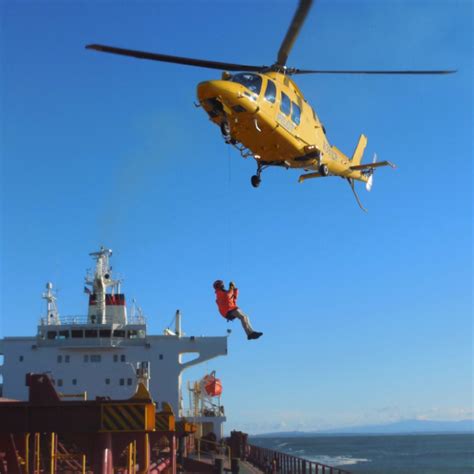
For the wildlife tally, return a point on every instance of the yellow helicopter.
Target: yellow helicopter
(261, 111)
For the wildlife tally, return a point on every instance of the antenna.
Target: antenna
(178, 323)
(52, 313)
(101, 280)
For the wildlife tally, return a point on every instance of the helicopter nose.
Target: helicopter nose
(232, 96)
(212, 89)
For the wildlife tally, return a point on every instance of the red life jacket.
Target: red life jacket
(226, 300)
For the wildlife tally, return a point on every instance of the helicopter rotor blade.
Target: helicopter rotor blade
(175, 59)
(293, 31)
(404, 71)
(244, 67)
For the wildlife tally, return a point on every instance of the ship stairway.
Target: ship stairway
(69, 458)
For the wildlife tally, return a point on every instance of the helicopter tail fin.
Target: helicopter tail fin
(359, 151)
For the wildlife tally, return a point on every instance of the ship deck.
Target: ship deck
(244, 466)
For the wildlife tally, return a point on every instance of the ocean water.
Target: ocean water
(382, 454)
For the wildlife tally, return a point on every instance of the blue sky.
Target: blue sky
(366, 317)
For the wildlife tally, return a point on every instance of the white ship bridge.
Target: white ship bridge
(105, 353)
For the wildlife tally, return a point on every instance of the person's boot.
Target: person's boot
(254, 335)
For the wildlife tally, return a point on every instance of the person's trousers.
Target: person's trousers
(244, 319)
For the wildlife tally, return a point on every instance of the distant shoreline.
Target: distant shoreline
(305, 434)
(406, 427)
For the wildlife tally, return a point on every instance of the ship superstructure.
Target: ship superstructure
(105, 353)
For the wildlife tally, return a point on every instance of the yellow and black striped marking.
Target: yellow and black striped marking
(186, 428)
(124, 417)
(164, 421)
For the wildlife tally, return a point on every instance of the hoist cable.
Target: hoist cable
(231, 205)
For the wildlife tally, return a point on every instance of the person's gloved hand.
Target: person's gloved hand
(231, 284)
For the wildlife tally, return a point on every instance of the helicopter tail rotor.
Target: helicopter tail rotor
(368, 169)
(370, 175)
(370, 182)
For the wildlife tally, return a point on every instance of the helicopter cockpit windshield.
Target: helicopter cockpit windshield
(251, 81)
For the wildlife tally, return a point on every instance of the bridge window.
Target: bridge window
(122, 358)
(270, 92)
(75, 333)
(60, 359)
(251, 81)
(295, 114)
(122, 381)
(51, 334)
(129, 381)
(74, 381)
(91, 333)
(119, 333)
(285, 105)
(107, 381)
(105, 333)
(96, 358)
(63, 335)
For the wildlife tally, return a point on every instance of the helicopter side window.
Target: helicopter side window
(252, 82)
(295, 114)
(285, 105)
(270, 92)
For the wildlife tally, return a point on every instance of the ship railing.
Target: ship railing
(205, 413)
(270, 462)
(83, 320)
(204, 447)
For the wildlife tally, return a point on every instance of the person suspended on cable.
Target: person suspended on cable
(227, 303)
